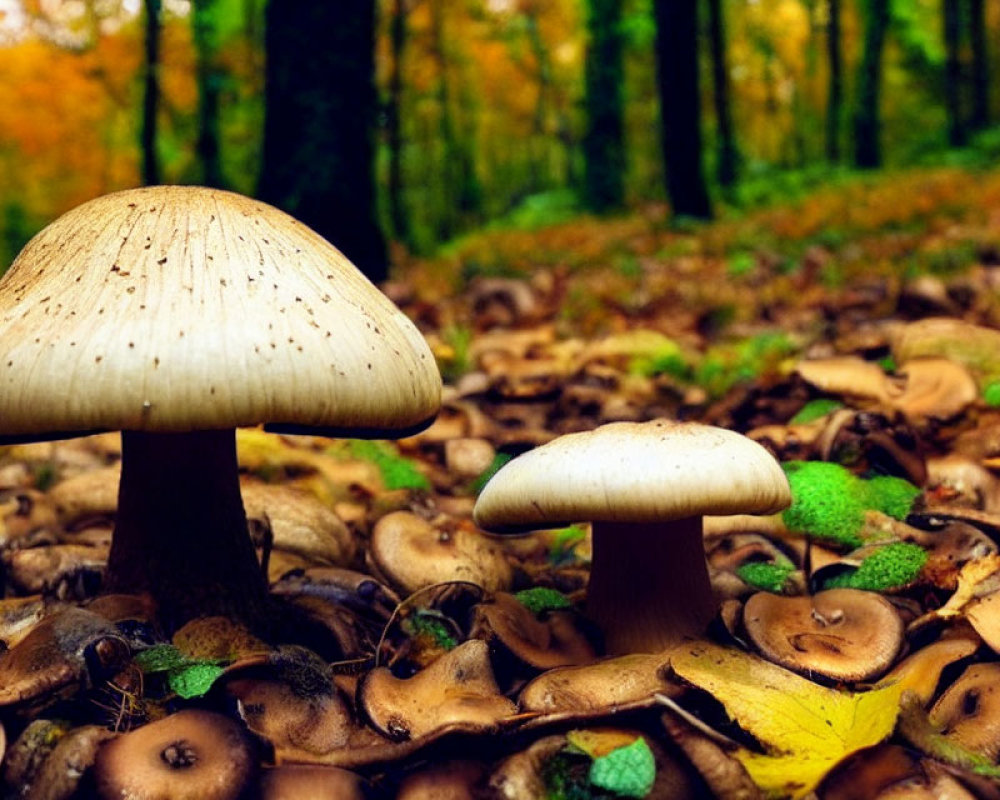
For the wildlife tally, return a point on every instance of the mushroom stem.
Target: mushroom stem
(649, 585)
(181, 532)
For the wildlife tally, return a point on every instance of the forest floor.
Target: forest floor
(855, 649)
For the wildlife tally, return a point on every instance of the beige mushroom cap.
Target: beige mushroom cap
(634, 472)
(176, 308)
(190, 755)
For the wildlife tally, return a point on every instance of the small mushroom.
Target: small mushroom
(412, 553)
(311, 782)
(543, 644)
(646, 487)
(190, 755)
(968, 712)
(611, 684)
(457, 688)
(451, 780)
(841, 634)
(67, 650)
(299, 523)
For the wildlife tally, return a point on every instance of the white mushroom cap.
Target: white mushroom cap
(634, 472)
(177, 308)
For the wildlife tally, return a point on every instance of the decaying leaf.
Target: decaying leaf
(805, 728)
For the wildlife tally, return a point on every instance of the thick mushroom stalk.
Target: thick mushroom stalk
(181, 532)
(649, 586)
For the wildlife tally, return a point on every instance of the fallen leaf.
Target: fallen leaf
(804, 728)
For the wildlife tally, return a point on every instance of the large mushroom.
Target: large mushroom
(176, 314)
(645, 487)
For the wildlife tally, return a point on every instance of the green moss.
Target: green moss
(991, 394)
(422, 624)
(628, 771)
(890, 567)
(541, 598)
(766, 576)
(815, 409)
(397, 472)
(829, 501)
(566, 776)
(890, 495)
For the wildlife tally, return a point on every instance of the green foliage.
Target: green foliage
(566, 776)
(540, 210)
(829, 502)
(890, 567)
(498, 461)
(541, 598)
(815, 409)
(459, 340)
(891, 495)
(767, 576)
(397, 472)
(563, 543)
(726, 365)
(185, 676)
(991, 394)
(422, 623)
(741, 263)
(627, 771)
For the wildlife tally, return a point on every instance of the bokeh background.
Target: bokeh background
(482, 112)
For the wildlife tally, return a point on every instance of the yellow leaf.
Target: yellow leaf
(805, 728)
(597, 742)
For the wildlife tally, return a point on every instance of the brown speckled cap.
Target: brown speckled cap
(176, 308)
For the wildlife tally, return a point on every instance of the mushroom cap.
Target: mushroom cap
(843, 634)
(178, 308)
(634, 472)
(190, 755)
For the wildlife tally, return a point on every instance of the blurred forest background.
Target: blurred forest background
(473, 113)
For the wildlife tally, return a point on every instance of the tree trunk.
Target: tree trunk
(680, 106)
(867, 120)
(319, 123)
(603, 142)
(835, 86)
(205, 37)
(394, 129)
(728, 156)
(150, 94)
(953, 88)
(980, 66)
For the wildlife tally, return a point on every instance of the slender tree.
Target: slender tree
(604, 77)
(393, 122)
(680, 106)
(150, 93)
(867, 117)
(320, 107)
(835, 85)
(953, 83)
(728, 155)
(980, 72)
(204, 31)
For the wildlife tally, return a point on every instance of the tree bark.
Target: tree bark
(953, 88)
(867, 119)
(980, 77)
(318, 159)
(205, 36)
(603, 142)
(150, 94)
(835, 85)
(680, 106)
(728, 156)
(394, 128)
